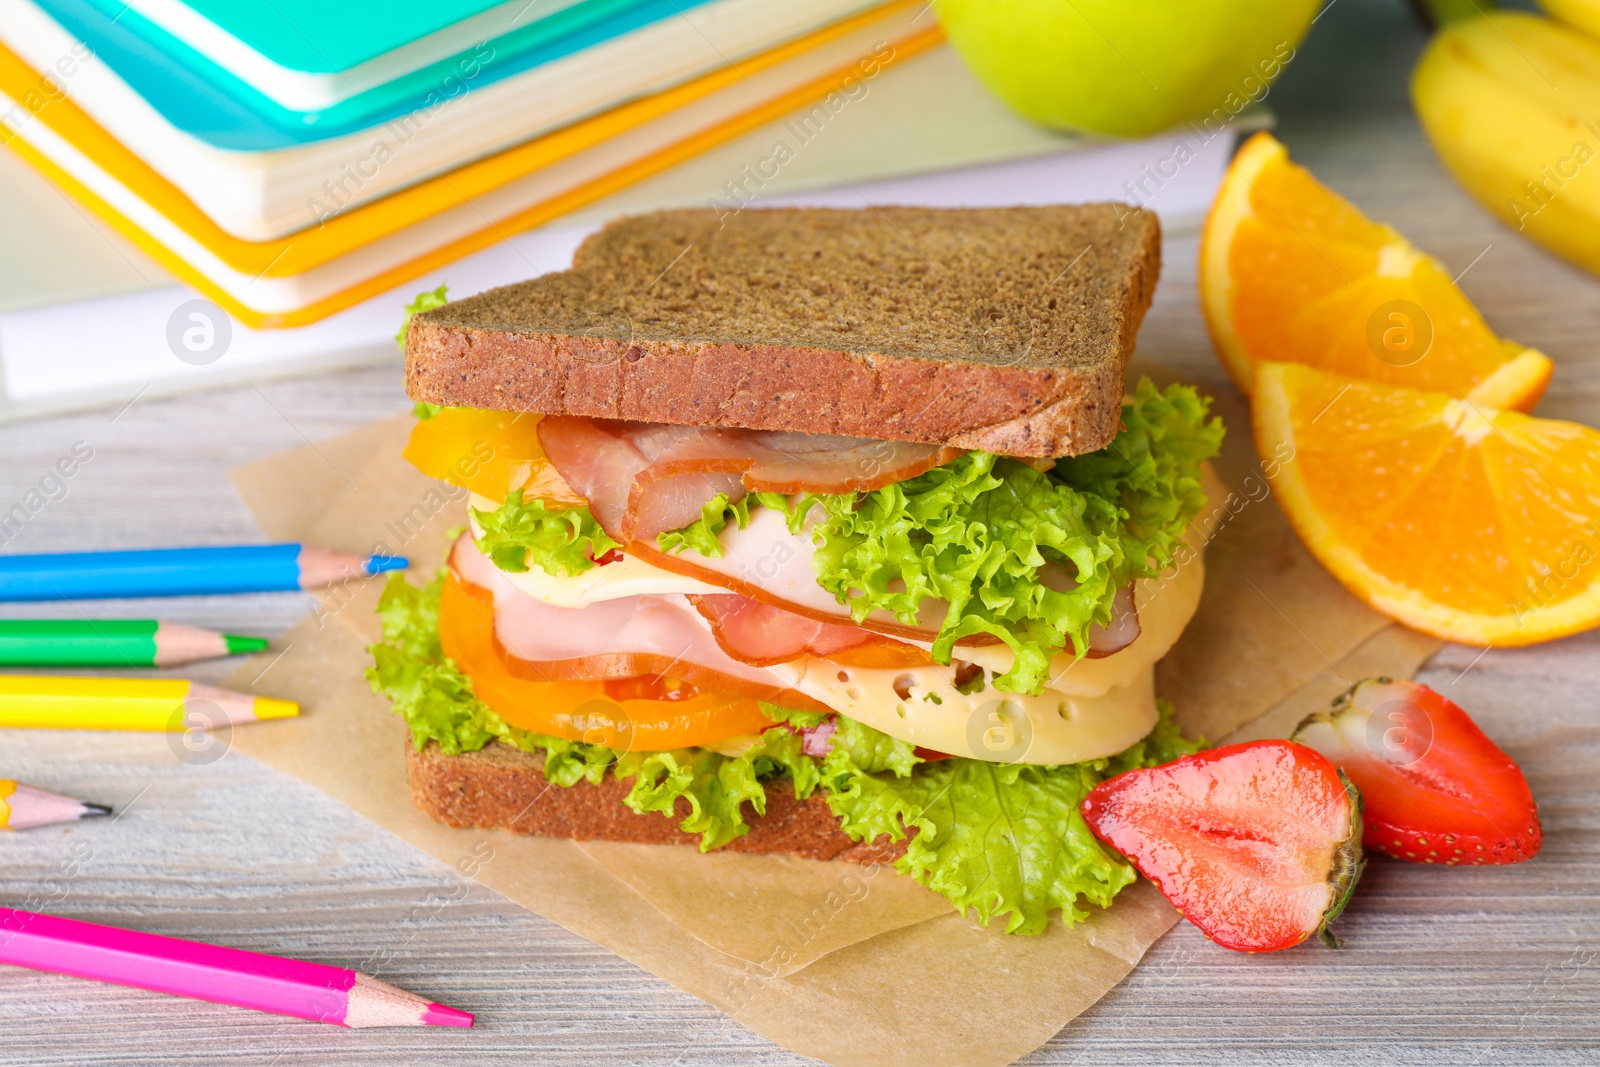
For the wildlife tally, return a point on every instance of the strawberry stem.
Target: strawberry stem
(1348, 863)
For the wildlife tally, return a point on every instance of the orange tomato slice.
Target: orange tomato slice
(1291, 272)
(490, 453)
(584, 711)
(1461, 521)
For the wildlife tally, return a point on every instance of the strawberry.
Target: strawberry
(1259, 844)
(1437, 790)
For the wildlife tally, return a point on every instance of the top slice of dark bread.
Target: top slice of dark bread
(1005, 329)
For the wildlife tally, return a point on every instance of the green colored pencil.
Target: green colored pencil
(113, 643)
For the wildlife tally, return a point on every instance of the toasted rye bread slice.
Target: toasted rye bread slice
(505, 787)
(1004, 329)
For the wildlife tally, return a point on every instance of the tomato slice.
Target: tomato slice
(646, 674)
(619, 714)
(490, 453)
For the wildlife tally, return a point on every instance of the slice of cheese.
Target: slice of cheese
(922, 705)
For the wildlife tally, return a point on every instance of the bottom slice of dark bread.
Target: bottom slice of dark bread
(504, 787)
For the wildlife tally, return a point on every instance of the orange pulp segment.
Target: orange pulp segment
(1470, 523)
(1292, 272)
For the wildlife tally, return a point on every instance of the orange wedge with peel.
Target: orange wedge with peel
(1473, 524)
(1292, 272)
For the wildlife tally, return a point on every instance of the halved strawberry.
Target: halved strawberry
(1259, 844)
(1437, 790)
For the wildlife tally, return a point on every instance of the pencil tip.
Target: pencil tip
(440, 1015)
(269, 708)
(380, 564)
(238, 644)
(94, 811)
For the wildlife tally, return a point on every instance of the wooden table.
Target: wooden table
(1468, 966)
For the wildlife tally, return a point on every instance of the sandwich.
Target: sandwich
(824, 532)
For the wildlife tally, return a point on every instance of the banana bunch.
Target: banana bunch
(1511, 102)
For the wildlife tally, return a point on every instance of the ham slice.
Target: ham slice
(644, 479)
(1124, 628)
(817, 740)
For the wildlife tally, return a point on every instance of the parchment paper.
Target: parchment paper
(862, 970)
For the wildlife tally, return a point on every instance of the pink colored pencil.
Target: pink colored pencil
(252, 980)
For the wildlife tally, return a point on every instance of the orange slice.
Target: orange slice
(1469, 523)
(1292, 272)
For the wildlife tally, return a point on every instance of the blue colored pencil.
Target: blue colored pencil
(182, 571)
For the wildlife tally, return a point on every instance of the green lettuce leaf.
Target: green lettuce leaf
(975, 532)
(559, 541)
(993, 838)
(716, 787)
(701, 536)
(436, 700)
(1151, 470)
(423, 302)
(794, 716)
(856, 749)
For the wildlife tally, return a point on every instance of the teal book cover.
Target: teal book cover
(209, 102)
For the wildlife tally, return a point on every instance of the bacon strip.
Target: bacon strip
(761, 635)
(643, 479)
(595, 457)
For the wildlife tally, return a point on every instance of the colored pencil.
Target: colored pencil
(183, 571)
(220, 975)
(22, 807)
(114, 643)
(55, 702)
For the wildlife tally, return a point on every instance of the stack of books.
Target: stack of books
(290, 159)
(296, 170)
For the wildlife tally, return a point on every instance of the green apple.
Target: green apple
(1126, 67)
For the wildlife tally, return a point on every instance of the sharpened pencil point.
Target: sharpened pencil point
(95, 811)
(380, 564)
(440, 1015)
(238, 645)
(268, 708)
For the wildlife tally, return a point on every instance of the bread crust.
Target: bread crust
(504, 787)
(733, 336)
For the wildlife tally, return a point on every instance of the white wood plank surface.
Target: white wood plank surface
(1463, 966)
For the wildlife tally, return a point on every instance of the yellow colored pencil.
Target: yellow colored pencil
(53, 702)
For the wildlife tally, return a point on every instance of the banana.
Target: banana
(1511, 103)
(1584, 14)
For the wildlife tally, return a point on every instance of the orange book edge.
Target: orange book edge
(358, 227)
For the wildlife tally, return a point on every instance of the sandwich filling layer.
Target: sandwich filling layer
(939, 642)
(1090, 708)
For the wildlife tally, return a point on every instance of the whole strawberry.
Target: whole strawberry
(1258, 844)
(1437, 790)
